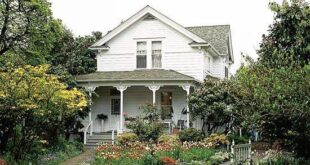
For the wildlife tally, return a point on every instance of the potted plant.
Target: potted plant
(102, 117)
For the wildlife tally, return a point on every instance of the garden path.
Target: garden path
(86, 157)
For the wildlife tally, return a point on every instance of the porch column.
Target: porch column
(90, 91)
(187, 89)
(121, 88)
(154, 88)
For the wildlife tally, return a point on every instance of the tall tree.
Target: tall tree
(288, 41)
(20, 20)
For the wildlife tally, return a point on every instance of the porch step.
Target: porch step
(99, 138)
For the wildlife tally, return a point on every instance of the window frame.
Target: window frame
(161, 54)
(146, 54)
(115, 111)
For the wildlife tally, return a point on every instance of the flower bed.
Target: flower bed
(139, 153)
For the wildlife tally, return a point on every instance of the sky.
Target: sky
(249, 19)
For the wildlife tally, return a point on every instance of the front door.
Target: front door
(166, 105)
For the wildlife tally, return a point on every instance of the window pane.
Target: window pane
(141, 55)
(141, 61)
(115, 106)
(226, 72)
(156, 54)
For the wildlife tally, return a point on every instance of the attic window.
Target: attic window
(149, 17)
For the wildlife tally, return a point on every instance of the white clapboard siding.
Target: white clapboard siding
(176, 52)
(218, 67)
(189, 63)
(116, 62)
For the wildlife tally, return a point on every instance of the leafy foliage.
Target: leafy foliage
(72, 55)
(277, 102)
(29, 99)
(287, 43)
(210, 103)
(20, 21)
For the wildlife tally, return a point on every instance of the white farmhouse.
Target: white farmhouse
(149, 58)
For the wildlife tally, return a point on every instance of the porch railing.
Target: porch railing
(90, 126)
(113, 137)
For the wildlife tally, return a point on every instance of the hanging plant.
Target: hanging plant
(102, 116)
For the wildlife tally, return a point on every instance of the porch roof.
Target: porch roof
(135, 75)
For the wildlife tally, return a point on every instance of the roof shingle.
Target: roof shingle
(136, 75)
(217, 35)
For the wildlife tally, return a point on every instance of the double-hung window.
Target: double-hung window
(141, 54)
(156, 54)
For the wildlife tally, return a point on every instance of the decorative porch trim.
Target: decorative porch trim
(154, 88)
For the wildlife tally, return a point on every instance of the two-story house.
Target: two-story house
(149, 58)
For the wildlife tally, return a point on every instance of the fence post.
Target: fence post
(250, 151)
(232, 151)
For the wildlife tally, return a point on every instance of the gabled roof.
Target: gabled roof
(140, 14)
(136, 75)
(217, 35)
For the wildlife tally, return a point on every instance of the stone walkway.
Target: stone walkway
(87, 156)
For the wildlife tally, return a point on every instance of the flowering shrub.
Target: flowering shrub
(191, 134)
(165, 138)
(147, 126)
(279, 157)
(126, 138)
(215, 140)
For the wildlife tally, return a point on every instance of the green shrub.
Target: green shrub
(147, 126)
(145, 131)
(166, 138)
(238, 140)
(191, 134)
(128, 137)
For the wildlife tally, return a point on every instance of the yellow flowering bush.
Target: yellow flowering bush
(37, 103)
(215, 140)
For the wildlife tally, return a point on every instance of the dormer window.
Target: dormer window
(141, 54)
(156, 54)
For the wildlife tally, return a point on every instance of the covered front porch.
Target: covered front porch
(118, 98)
